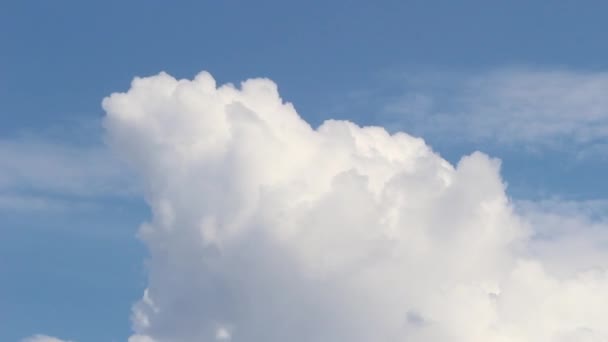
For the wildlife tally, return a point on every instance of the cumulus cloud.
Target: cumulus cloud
(42, 338)
(266, 229)
(550, 108)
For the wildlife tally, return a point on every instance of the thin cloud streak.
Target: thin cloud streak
(559, 109)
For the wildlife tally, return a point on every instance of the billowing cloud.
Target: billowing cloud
(265, 229)
(542, 108)
(42, 338)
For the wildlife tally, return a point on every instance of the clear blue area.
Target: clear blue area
(75, 274)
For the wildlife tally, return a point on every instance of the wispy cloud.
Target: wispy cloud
(513, 106)
(48, 175)
(42, 338)
(20, 202)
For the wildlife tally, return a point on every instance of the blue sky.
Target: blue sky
(70, 262)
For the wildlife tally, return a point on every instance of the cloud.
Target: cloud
(564, 229)
(25, 203)
(266, 229)
(46, 175)
(42, 338)
(550, 108)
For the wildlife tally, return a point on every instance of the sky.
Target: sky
(137, 209)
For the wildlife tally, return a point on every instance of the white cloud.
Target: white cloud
(265, 229)
(552, 108)
(42, 338)
(569, 236)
